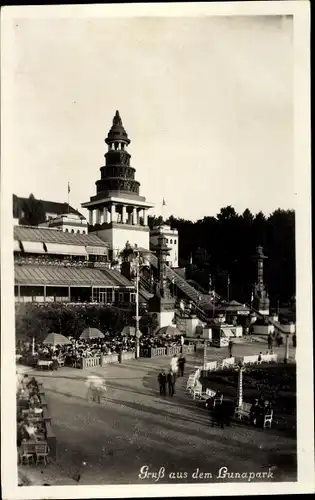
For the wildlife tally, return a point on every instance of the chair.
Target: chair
(41, 452)
(217, 401)
(268, 419)
(197, 391)
(243, 411)
(27, 453)
(61, 361)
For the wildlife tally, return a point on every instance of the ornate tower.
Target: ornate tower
(117, 212)
(261, 300)
(162, 303)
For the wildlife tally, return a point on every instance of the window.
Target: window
(66, 231)
(171, 241)
(174, 242)
(78, 231)
(166, 240)
(72, 230)
(83, 232)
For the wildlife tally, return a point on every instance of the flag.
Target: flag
(68, 187)
(190, 260)
(252, 297)
(163, 203)
(228, 279)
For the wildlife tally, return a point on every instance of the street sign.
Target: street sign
(138, 334)
(137, 318)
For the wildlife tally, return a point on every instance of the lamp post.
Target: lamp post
(138, 333)
(241, 369)
(205, 354)
(138, 266)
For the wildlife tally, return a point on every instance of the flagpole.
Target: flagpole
(68, 197)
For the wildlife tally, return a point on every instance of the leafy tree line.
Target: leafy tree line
(37, 321)
(224, 247)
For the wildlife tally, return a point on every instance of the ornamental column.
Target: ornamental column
(105, 215)
(112, 212)
(145, 217)
(134, 216)
(123, 214)
(91, 217)
(98, 216)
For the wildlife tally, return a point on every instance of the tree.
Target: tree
(33, 212)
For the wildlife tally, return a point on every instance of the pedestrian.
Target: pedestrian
(162, 382)
(259, 357)
(171, 382)
(230, 348)
(174, 365)
(270, 340)
(181, 365)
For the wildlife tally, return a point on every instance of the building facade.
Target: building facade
(171, 236)
(68, 223)
(117, 213)
(55, 266)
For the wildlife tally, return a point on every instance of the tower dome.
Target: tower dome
(117, 133)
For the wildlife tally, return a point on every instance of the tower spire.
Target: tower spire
(117, 121)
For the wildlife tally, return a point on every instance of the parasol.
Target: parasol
(56, 339)
(92, 333)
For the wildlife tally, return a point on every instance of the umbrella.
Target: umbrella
(92, 333)
(56, 339)
(168, 330)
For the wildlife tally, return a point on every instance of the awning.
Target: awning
(33, 247)
(16, 246)
(59, 249)
(96, 250)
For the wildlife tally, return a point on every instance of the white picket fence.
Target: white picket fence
(194, 387)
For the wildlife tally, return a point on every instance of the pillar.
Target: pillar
(134, 216)
(44, 293)
(91, 217)
(145, 217)
(123, 214)
(138, 217)
(105, 215)
(69, 294)
(98, 216)
(113, 294)
(112, 212)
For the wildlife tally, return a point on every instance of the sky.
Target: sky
(207, 103)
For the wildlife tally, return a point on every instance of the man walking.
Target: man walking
(181, 365)
(171, 383)
(162, 382)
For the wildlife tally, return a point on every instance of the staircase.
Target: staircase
(203, 302)
(276, 324)
(146, 285)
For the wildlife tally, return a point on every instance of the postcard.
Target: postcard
(156, 250)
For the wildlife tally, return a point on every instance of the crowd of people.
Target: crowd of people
(71, 354)
(30, 423)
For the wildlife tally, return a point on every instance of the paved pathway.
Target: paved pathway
(134, 426)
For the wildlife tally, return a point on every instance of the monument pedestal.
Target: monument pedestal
(164, 308)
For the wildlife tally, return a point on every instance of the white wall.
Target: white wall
(117, 237)
(263, 329)
(165, 318)
(171, 236)
(75, 228)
